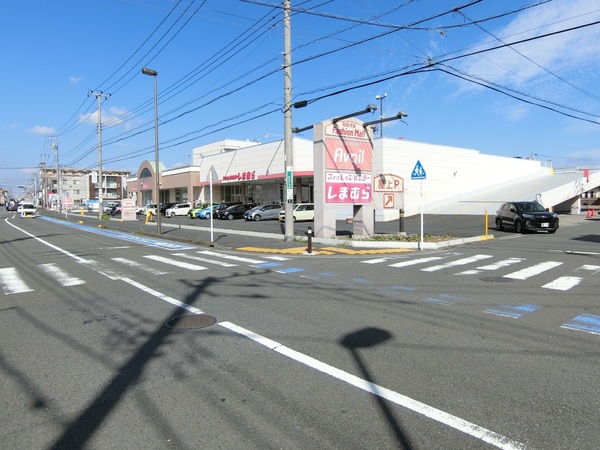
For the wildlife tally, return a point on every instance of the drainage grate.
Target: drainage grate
(190, 322)
(497, 279)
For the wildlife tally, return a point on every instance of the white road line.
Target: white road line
(60, 275)
(204, 260)
(11, 282)
(140, 266)
(173, 262)
(375, 261)
(495, 266)
(457, 262)
(536, 269)
(438, 415)
(563, 283)
(232, 257)
(413, 262)
(162, 296)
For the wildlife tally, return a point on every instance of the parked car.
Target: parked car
(205, 213)
(165, 206)
(26, 209)
(108, 206)
(301, 211)
(234, 211)
(179, 209)
(526, 216)
(263, 212)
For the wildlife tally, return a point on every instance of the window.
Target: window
(146, 173)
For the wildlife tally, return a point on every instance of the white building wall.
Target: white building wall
(451, 172)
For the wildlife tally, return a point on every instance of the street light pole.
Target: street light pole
(154, 73)
(287, 122)
(380, 98)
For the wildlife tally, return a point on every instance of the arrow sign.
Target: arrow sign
(418, 172)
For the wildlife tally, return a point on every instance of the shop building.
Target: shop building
(254, 172)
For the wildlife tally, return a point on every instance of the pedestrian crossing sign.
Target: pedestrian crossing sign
(418, 172)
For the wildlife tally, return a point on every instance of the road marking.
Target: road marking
(536, 269)
(457, 262)
(513, 311)
(589, 323)
(140, 266)
(232, 257)
(423, 409)
(495, 266)
(174, 262)
(60, 275)
(204, 260)
(563, 283)
(375, 261)
(413, 262)
(11, 282)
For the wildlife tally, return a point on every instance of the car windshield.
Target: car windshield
(529, 206)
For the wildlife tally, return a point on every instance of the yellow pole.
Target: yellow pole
(486, 222)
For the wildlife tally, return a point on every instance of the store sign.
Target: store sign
(346, 187)
(240, 176)
(388, 183)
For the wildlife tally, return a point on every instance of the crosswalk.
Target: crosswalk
(452, 260)
(453, 263)
(14, 282)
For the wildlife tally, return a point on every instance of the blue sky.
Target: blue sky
(219, 76)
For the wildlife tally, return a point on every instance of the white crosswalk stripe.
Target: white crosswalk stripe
(11, 282)
(531, 271)
(140, 266)
(457, 262)
(231, 257)
(495, 266)
(174, 262)
(204, 260)
(60, 275)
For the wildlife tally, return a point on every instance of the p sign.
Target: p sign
(388, 183)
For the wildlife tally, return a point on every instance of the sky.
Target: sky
(510, 78)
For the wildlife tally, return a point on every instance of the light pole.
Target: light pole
(99, 95)
(380, 98)
(154, 73)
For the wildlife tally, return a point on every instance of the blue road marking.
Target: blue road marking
(123, 236)
(445, 299)
(290, 270)
(360, 281)
(589, 323)
(514, 311)
(268, 264)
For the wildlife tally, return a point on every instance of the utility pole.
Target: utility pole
(287, 122)
(54, 146)
(99, 95)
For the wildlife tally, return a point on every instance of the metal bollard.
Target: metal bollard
(309, 233)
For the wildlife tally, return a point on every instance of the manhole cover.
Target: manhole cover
(496, 279)
(190, 322)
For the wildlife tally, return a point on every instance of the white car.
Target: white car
(26, 209)
(180, 209)
(301, 211)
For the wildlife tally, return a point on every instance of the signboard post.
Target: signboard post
(418, 173)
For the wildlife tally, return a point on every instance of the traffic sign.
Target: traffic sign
(418, 172)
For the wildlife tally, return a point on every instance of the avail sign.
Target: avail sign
(388, 183)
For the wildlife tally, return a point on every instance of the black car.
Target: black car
(526, 216)
(165, 206)
(234, 211)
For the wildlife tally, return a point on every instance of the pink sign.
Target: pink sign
(347, 187)
(343, 154)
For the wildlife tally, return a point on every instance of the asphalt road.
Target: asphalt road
(472, 347)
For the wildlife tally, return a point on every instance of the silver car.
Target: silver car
(263, 212)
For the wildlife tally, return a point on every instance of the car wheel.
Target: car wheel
(207, 216)
(519, 227)
(257, 217)
(230, 216)
(498, 224)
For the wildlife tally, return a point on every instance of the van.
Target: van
(301, 211)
